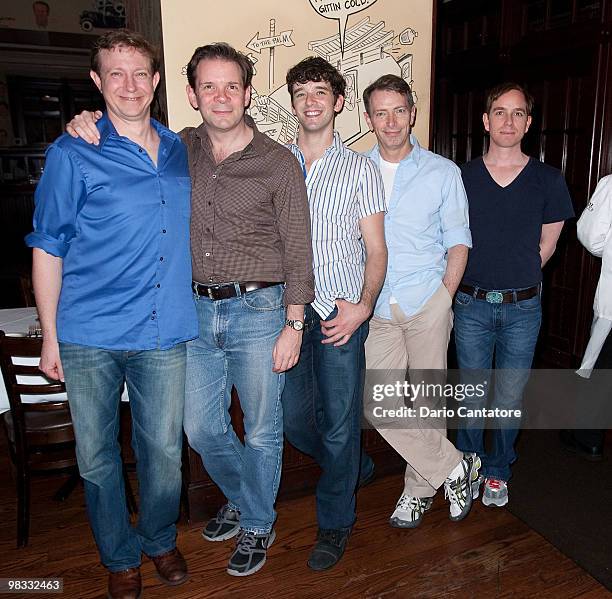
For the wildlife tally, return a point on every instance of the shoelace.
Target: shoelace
(246, 540)
(407, 502)
(456, 490)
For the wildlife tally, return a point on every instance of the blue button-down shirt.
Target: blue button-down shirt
(427, 214)
(121, 226)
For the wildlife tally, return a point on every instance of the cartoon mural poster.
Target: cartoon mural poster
(353, 35)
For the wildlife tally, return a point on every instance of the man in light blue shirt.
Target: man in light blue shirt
(427, 235)
(112, 277)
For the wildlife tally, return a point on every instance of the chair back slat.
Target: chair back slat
(12, 349)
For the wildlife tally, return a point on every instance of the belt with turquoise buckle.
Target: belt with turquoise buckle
(494, 297)
(500, 297)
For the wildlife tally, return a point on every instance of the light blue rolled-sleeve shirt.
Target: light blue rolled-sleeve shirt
(427, 214)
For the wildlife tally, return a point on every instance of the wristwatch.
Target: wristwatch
(297, 325)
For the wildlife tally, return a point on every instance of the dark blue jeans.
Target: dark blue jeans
(509, 332)
(322, 415)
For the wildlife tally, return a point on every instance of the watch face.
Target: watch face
(298, 325)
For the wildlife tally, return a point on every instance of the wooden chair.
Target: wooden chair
(40, 435)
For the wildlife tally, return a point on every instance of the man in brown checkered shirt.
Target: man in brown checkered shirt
(252, 271)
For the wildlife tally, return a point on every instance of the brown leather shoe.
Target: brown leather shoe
(126, 584)
(171, 567)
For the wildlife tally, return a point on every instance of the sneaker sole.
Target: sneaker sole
(228, 535)
(494, 502)
(259, 566)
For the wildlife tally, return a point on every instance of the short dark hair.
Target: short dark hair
(221, 51)
(315, 68)
(503, 88)
(390, 83)
(45, 4)
(127, 39)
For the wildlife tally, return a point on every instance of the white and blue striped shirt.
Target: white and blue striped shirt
(343, 187)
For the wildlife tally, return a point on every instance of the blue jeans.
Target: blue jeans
(156, 381)
(510, 332)
(234, 348)
(322, 406)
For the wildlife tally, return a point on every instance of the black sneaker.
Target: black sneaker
(250, 553)
(329, 548)
(223, 526)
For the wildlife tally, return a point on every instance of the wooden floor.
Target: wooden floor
(490, 554)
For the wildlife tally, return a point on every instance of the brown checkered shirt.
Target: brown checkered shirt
(250, 219)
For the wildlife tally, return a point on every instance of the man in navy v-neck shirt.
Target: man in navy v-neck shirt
(517, 207)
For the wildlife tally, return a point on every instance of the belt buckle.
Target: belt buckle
(494, 297)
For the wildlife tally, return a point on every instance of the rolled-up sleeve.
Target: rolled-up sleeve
(454, 214)
(293, 217)
(57, 198)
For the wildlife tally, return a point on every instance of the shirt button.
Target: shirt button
(154, 312)
(207, 254)
(163, 230)
(214, 176)
(163, 201)
(210, 279)
(158, 285)
(152, 317)
(140, 150)
(161, 258)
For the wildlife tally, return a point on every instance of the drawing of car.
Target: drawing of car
(109, 16)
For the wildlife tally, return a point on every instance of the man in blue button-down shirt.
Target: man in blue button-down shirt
(427, 235)
(112, 277)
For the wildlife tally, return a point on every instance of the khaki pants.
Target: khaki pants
(412, 344)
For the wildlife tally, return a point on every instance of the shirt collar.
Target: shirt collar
(106, 129)
(337, 144)
(415, 154)
(257, 143)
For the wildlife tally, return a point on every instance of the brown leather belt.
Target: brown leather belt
(227, 290)
(500, 297)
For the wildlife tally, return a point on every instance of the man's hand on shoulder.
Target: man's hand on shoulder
(50, 363)
(286, 352)
(83, 125)
(349, 318)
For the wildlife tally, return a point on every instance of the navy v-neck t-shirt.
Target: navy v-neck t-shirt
(506, 223)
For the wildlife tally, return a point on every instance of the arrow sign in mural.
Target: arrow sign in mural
(257, 44)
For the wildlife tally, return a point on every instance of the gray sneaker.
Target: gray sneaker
(495, 492)
(476, 486)
(250, 553)
(223, 526)
(409, 511)
(458, 490)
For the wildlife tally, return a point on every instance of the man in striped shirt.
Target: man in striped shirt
(322, 396)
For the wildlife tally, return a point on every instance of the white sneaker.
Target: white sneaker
(409, 511)
(495, 492)
(458, 486)
(476, 486)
